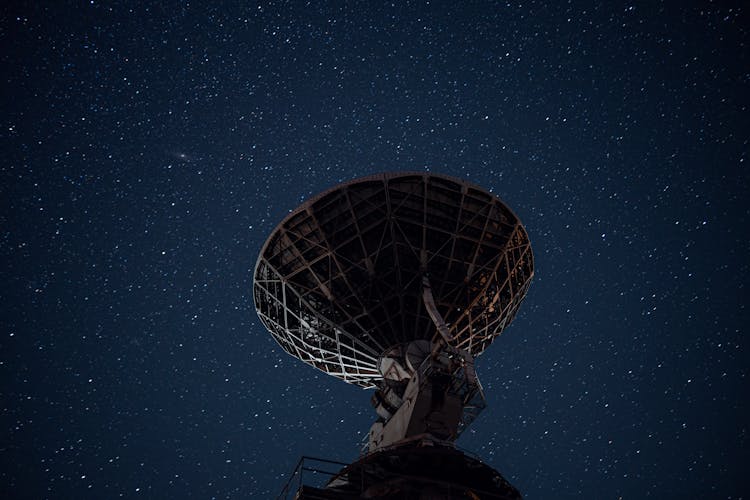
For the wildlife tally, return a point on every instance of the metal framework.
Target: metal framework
(340, 280)
(411, 470)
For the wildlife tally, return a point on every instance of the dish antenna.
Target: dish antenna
(396, 282)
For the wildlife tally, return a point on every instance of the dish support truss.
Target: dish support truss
(306, 334)
(339, 281)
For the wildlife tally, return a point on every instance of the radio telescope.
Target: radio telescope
(396, 282)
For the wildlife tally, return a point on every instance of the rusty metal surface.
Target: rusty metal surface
(339, 280)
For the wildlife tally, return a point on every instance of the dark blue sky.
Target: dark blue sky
(148, 151)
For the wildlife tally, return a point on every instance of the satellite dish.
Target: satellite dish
(371, 264)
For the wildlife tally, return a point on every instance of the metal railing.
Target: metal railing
(311, 472)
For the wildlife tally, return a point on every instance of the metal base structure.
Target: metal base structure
(416, 470)
(426, 390)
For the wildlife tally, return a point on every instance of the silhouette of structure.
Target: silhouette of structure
(397, 282)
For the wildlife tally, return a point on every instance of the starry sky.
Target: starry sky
(149, 149)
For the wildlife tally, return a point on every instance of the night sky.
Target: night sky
(148, 151)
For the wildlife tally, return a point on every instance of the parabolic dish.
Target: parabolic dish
(339, 281)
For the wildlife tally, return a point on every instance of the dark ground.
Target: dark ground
(147, 152)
